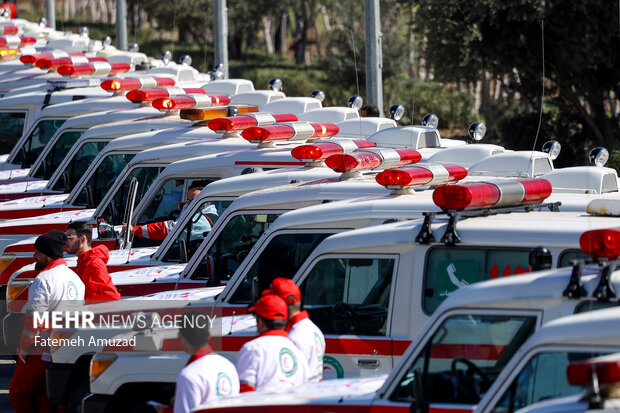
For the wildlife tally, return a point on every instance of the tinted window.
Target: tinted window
(36, 141)
(113, 213)
(79, 165)
(12, 129)
(449, 268)
(464, 356)
(196, 229)
(544, 377)
(281, 258)
(99, 183)
(571, 255)
(349, 295)
(232, 245)
(61, 148)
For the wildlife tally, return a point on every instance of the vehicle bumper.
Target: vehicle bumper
(57, 377)
(95, 403)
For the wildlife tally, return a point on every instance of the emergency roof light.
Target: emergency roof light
(34, 58)
(10, 41)
(476, 131)
(397, 112)
(553, 148)
(94, 68)
(601, 243)
(372, 158)
(319, 150)
(235, 123)
(430, 120)
(206, 114)
(69, 60)
(599, 156)
(144, 82)
(605, 368)
(492, 194)
(190, 101)
(292, 130)
(318, 94)
(139, 96)
(8, 29)
(8, 53)
(422, 174)
(356, 102)
(274, 84)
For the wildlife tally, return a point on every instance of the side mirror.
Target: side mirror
(183, 251)
(255, 293)
(105, 230)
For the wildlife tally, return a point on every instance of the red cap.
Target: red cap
(286, 289)
(271, 307)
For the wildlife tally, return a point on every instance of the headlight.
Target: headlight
(15, 289)
(100, 363)
(5, 260)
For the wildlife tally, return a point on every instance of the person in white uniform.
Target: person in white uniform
(271, 361)
(207, 375)
(55, 288)
(301, 330)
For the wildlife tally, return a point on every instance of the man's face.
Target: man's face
(40, 260)
(73, 242)
(191, 194)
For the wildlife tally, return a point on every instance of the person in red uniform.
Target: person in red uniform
(159, 230)
(91, 263)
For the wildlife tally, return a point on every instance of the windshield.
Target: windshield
(12, 129)
(113, 212)
(232, 245)
(78, 166)
(36, 141)
(281, 258)
(55, 156)
(197, 228)
(99, 183)
(463, 358)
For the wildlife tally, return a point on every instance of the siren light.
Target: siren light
(94, 68)
(145, 82)
(247, 121)
(216, 112)
(423, 174)
(8, 29)
(190, 101)
(322, 150)
(139, 96)
(372, 158)
(601, 243)
(606, 368)
(293, 130)
(492, 194)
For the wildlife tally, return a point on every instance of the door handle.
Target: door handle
(368, 363)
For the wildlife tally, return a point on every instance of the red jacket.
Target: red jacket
(94, 274)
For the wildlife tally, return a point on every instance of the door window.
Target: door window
(463, 357)
(449, 268)
(57, 154)
(12, 129)
(232, 245)
(544, 377)
(99, 182)
(36, 141)
(349, 295)
(78, 165)
(282, 257)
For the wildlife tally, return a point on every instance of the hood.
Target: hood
(100, 251)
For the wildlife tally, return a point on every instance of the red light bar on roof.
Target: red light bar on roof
(10, 41)
(293, 130)
(488, 194)
(321, 150)
(190, 101)
(8, 29)
(419, 175)
(601, 243)
(34, 58)
(94, 68)
(56, 62)
(607, 369)
(145, 82)
(26, 40)
(372, 158)
(138, 96)
(248, 121)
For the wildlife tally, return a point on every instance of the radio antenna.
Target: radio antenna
(542, 96)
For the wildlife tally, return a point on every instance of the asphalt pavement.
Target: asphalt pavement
(7, 366)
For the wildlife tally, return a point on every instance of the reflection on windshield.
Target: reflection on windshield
(12, 129)
(464, 356)
(36, 141)
(78, 165)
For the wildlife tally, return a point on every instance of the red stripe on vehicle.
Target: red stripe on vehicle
(469, 351)
(19, 195)
(400, 346)
(32, 229)
(137, 290)
(33, 212)
(358, 346)
(302, 408)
